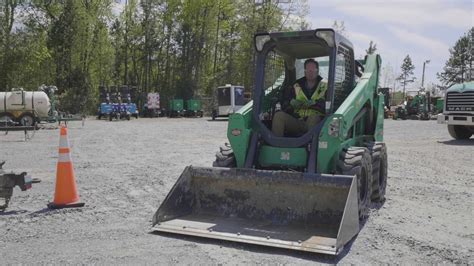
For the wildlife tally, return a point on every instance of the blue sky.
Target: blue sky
(423, 29)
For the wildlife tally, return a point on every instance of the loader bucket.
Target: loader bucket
(292, 210)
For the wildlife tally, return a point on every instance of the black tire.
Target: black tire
(214, 114)
(27, 120)
(225, 157)
(357, 161)
(424, 116)
(110, 117)
(6, 119)
(459, 132)
(378, 151)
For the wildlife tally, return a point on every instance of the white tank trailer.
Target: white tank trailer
(24, 107)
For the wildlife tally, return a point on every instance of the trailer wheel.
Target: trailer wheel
(6, 119)
(378, 150)
(356, 161)
(27, 120)
(459, 132)
(225, 157)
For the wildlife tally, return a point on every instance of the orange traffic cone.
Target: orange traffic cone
(65, 195)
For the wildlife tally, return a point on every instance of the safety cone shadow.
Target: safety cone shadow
(65, 195)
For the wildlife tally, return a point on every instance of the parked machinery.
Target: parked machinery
(151, 108)
(8, 181)
(306, 192)
(458, 112)
(25, 108)
(416, 107)
(117, 103)
(439, 105)
(176, 108)
(54, 114)
(194, 108)
(230, 98)
(386, 93)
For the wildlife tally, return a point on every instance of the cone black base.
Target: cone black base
(51, 205)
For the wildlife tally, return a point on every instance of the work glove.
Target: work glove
(319, 106)
(310, 103)
(296, 103)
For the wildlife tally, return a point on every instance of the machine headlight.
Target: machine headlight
(236, 132)
(334, 127)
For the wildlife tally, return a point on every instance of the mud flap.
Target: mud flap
(292, 210)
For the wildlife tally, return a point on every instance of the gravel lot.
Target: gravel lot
(124, 169)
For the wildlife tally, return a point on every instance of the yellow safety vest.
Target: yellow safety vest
(318, 94)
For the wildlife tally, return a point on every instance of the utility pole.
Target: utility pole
(423, 75)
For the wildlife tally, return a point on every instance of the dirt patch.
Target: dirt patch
(124, 170)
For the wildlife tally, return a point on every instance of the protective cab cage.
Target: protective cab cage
(292, 46)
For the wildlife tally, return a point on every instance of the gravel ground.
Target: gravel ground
(124, 169)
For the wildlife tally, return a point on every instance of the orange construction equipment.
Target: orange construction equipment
(65, 195)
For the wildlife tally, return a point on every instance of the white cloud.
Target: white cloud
(436, 46)
(422, 13)
(320, 22)
(422, 29)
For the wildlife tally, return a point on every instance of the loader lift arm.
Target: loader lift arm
(306, 192)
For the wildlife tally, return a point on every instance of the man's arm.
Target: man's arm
(287, 95)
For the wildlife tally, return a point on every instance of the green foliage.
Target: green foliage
(459, 66)
(180, 48)
(406, 75)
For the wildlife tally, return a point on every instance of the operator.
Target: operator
(303, 104)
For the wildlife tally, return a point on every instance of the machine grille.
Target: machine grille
(460, 102)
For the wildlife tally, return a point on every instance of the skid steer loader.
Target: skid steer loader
(306, 192)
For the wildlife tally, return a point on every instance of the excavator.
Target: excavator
(308, 192)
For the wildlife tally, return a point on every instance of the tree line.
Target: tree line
(458, 68)
(180, 48)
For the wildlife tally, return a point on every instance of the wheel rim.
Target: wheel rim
(6, 119)
(27, 120)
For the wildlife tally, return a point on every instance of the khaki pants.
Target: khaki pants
(285, 123)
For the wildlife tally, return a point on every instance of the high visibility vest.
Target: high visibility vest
(318, 94)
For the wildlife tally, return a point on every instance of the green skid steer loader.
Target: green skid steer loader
(307, 192)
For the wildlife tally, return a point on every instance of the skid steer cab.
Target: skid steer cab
(306, 191)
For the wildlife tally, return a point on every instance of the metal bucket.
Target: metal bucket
(316, 213)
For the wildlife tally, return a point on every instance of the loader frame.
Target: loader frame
(358, 119)
(297, 193)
